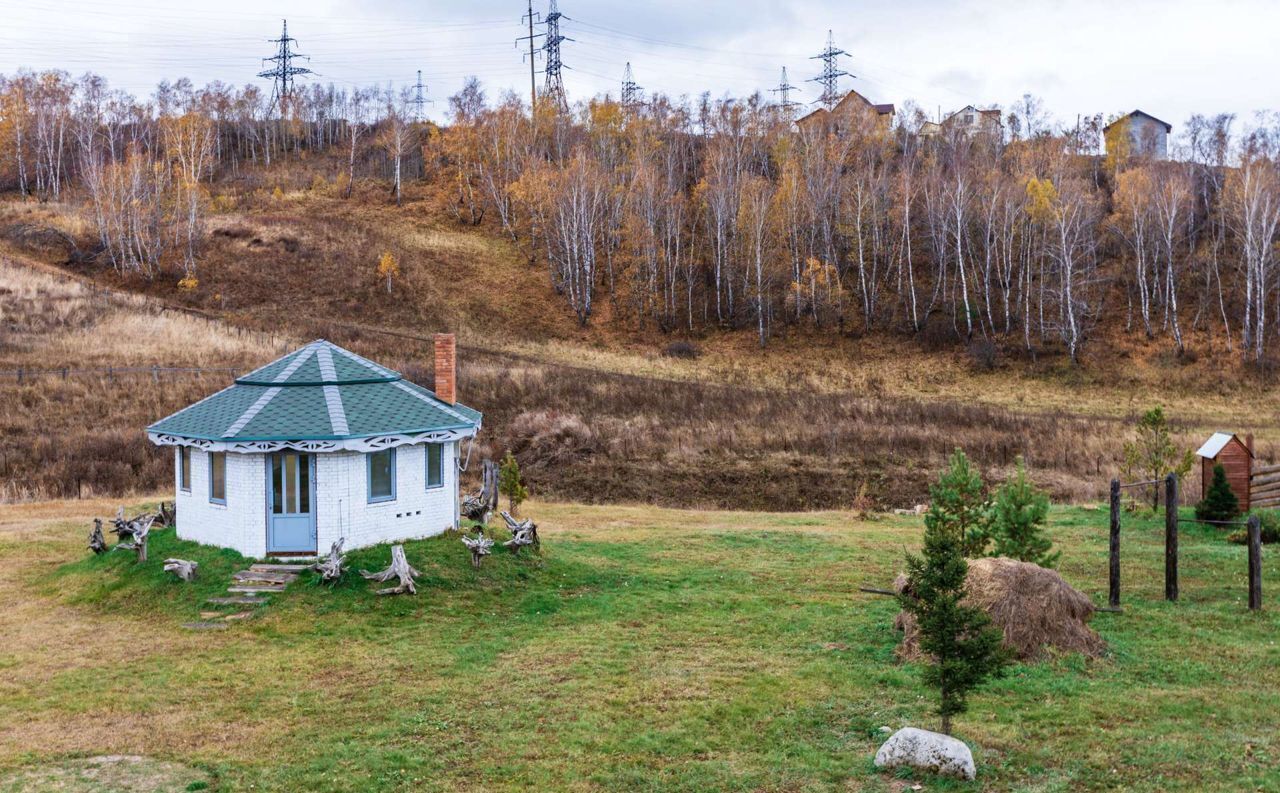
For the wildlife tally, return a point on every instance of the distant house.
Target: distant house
(317, 446)
(1147, 136)
(841, 117)
(1235, 457)
(967, 121)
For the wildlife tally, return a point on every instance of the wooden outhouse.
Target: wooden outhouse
(1236, 458)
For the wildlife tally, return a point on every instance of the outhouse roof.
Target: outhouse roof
(1216, 443)
(322, 394)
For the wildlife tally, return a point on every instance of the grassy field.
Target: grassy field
(646, 649)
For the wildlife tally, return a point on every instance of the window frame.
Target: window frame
(368, 476)
(184, 469)
(439, 447)
(214, 499)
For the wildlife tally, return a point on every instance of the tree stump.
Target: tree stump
(330, 569)
(519, 540)
(167, 515)
(182, 568)
(480, 547)
(401, 569)
(138, 532)
(526, 526)
(97, 543)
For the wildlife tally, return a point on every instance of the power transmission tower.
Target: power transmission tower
(553, 87)
(532, 17)
(630, 91)
(283, 71)
(783, 91)
(419, 98)
(831, 73)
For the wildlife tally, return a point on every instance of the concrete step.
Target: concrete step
(278, 568)
(239, 615)
(238, 601)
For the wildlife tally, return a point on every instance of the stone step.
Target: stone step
(279, 568)
(205, 626)
(261, 575)
(238, 601)
(256, 587)
(239, 615)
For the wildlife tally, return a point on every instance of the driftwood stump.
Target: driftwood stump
(519, 540)
(401, 569)
(480, 547)
(523, 527)
(479, 506)
(167, 515)
(182, 568)
(330, 569)
(97, 543)
(138, 532)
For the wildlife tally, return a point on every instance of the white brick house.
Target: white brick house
(319, 445)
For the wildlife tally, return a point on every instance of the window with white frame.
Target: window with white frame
(218, 477)
(184, 468)
(381, 475)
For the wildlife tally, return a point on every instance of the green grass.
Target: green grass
(644, 649)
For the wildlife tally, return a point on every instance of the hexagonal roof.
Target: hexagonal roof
(318, 392)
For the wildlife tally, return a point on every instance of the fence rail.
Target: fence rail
(22, 374)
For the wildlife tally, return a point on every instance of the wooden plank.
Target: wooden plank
(262, 567)
(273, 578)
(238, 601)
(1266, 503)
(1267, 479)
(1266, 469)
(248, 588)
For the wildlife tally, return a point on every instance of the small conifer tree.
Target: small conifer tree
(962, 648)
(958, 500)
(1219, 502)
(1017, 521)
(509, 482)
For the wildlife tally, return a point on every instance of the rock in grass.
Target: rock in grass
(927, 751)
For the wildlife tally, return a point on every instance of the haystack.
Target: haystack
(1039, 612)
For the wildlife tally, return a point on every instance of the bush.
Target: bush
(682, 349)
(1270, 519)
(1219, 502)
(1017, 521)
(983, 354)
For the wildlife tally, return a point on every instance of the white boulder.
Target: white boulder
(927, 751)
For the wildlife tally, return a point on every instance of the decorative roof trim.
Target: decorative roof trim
(366, 444)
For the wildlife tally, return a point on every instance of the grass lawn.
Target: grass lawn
(647, 649)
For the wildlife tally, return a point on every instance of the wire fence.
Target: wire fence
(24, 375)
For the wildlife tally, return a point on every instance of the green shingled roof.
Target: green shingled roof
(318, 392)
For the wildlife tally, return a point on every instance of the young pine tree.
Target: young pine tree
(1152, 454)
(509, 482)
(958, 501)
(1017, 521)
(1219, 502)
(963, 650)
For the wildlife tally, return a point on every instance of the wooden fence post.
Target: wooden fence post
(1171, 537)
(1255, 563)
(1114, 571)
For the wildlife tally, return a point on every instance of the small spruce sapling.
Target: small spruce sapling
(1018, 513)
(962, 648)
(958, 500)
(510, 484)
(1219, 503)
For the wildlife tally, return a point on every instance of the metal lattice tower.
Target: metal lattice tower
(419, 97)
(831, 73)
(630, 91)
(783, 91)
(553, 86)
(283, 71)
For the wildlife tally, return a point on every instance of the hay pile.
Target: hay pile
(1037, 610)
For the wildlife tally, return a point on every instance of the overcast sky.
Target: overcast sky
(1170, 58)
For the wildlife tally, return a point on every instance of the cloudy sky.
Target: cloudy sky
(1171, 58)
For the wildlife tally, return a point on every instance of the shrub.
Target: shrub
(1219, 502)
(983, 354)
(1270, 520)
(682, 349)
(510, 484)
(1017, 521)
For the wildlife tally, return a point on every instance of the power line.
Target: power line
(831, 73)
(284, 71)
(419, 98)
(630, 91)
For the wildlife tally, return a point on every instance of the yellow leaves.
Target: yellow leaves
(188, 284)
(388, 267)
(277, 193)
(1042, 200)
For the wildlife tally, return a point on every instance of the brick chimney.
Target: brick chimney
(446, 367)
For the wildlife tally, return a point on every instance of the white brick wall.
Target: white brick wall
(341, 501)
(238, 524)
